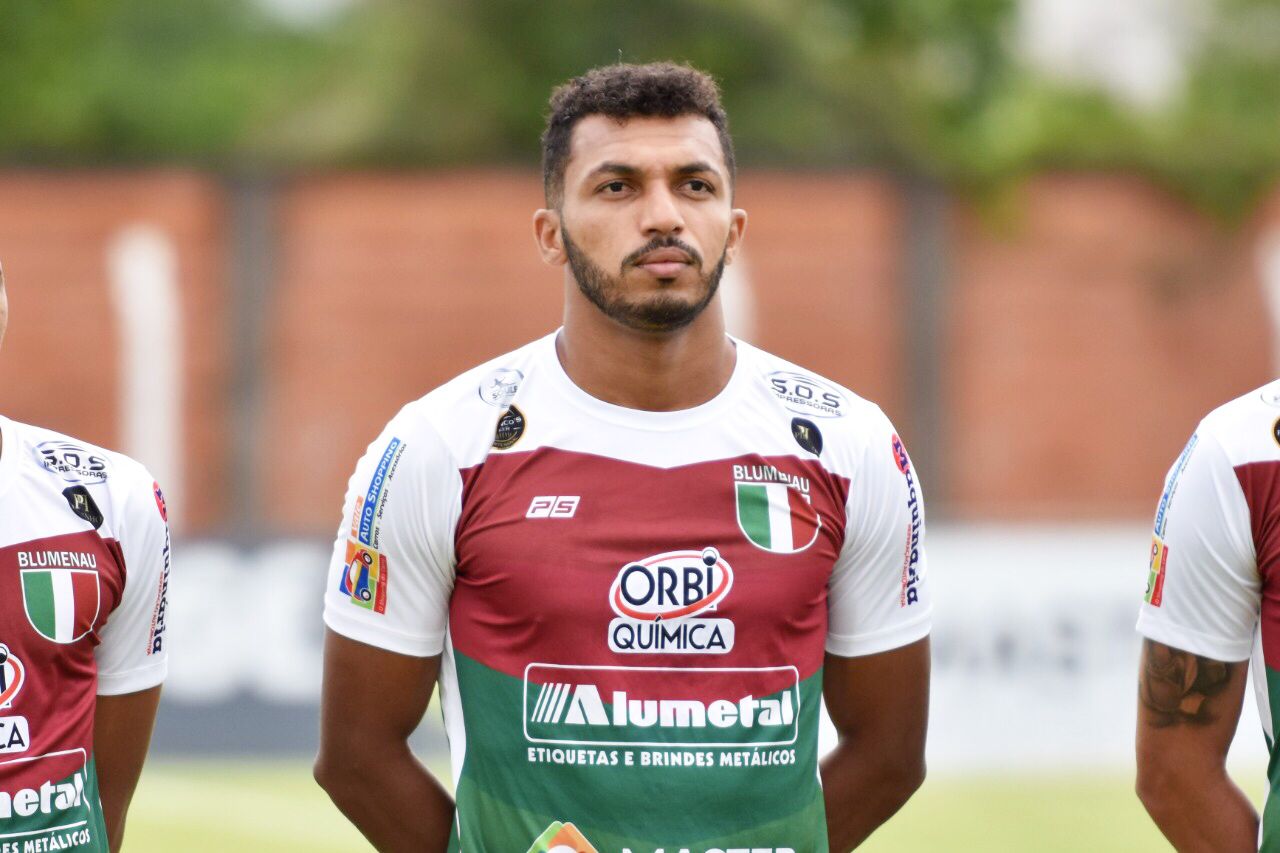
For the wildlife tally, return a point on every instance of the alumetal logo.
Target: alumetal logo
(656, 599)
(642, 706)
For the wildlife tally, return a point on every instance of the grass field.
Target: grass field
(248, 807)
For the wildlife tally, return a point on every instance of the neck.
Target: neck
(652, 371)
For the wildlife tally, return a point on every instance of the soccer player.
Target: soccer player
(84, 570)
(1211, 604)
(636, 552)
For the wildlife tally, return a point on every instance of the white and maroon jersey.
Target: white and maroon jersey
(1213, 584)
(633, 606)
(84, 566)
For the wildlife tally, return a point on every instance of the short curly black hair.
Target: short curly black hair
(624, 91)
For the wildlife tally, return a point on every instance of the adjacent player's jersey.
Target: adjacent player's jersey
(1213, 585)
(633, 606)
(84, 566)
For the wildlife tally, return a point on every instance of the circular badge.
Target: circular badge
(510, 428)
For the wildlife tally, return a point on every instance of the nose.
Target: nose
(660, 214)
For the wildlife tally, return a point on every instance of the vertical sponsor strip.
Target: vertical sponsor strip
(38, 587)
(64, 605)
(753, 509)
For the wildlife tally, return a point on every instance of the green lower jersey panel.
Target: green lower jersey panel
(639, 774)
(43, 807)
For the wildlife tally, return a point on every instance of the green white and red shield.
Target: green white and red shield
(61, 604)
(776, 517)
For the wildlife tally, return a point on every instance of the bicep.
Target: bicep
(1188, 704)
(371, 695)
(121, 733)
(886, 694)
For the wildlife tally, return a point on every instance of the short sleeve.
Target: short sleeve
(1203, 589)
(878, 597)
(392, 569)
(133, 653)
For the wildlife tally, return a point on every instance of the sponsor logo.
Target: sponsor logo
(370, 508)
(553, 506)
(13, 675)
(71, 462)
(160, 504)
(807, 435)
(1275, 431)
(909, 593)
(774, 510)
(510, 427)
(15, 735)
(83, 505)
(685, 849)
(499, 387)
(61, 604)
(155, 642)
(1155, 578)
(1171, 485)
(804, 394)
(38, 788)
(562, 838)
(661, 706)
(365, 572)
(657, 598)
(364, 577)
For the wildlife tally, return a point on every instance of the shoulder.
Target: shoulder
(79, 462)
(461, 415)
(1247, 429)
(850, 423)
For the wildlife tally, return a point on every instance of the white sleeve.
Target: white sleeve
(878, 598)
(392, 570)
(133, 654)
(1203, 588)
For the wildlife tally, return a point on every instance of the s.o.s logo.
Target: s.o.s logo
(657, 598)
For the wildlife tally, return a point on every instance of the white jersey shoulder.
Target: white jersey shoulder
(132, 653)
(1248, 427)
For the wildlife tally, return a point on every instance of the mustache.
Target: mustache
(662, 243)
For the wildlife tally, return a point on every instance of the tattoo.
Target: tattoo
(1177, 686)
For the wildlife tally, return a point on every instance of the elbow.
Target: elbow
(1158, 786)
(335, 774)
(910, 776)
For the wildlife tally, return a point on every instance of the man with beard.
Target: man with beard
(636, 553)
(84, 573)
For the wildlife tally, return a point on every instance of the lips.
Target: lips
(664, 263)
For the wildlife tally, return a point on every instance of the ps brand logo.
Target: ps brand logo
(553, 506)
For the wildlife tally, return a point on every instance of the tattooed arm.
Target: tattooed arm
(1188, 707)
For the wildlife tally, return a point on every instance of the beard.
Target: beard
(655, 312)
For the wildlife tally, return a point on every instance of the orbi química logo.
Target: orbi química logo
(659, 598)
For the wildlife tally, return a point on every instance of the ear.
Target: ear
(549, 237)
(737, 228)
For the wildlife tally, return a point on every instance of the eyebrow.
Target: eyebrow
(625, 171)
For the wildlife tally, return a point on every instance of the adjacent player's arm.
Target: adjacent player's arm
(880, 706)
(1188, 708)
(372, 701)
(121, 734)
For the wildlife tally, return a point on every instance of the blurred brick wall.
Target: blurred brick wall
(1086, 341)
(58, 366)
(1088, 328)
(391, 285)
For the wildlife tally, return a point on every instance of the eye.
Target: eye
(699, 186)
(614, 187)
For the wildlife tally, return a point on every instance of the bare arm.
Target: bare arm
(372, 701)
(121, 733)
(880, 706)
(1188, 707)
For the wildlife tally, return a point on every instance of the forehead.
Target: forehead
(644, 142)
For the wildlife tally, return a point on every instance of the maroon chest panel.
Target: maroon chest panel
(50, 625)
(546, 537)
(1260, 482)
